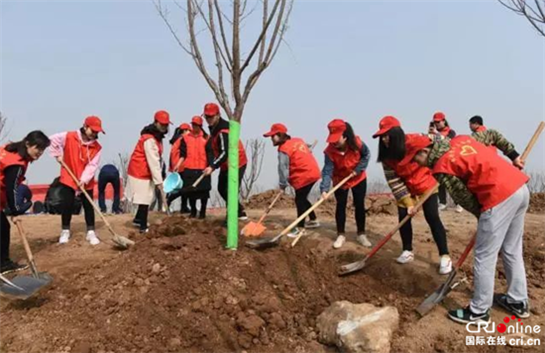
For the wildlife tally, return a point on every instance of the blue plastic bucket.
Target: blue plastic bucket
(172, 183)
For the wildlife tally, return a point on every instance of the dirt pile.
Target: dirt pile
(185, 292)
(537, 203)
(373, 204)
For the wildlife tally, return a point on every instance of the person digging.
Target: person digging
(495, 191)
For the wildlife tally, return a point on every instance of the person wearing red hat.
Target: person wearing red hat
(298, 168)
(176, 165)
(495, 191)
(15, 158)
(346, 153)
(81, 151)
(219, 141)
(443, 131)
(145, 170)
(408, 182)
(195, 155)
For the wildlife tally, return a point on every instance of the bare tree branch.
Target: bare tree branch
(256, 153)
(222, 32)
(3, 125)
(535, 14)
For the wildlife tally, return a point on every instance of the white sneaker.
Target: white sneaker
(442, 207)
(65, 236)
(312, 224)
(459, 209)
(92, 237)
(362, 239)
(294, 232)
(405, 257)
(339, 242)
(446, 265)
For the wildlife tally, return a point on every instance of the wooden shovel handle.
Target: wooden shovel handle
(198, 181)
(270, 207)
(27, 248)
(533, 141)
(97, 210)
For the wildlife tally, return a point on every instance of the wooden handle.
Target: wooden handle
(533, 141)
(418, 205)
(270, 207)
(198, 181)
(27, 249)
(97, 210)
(315, 206)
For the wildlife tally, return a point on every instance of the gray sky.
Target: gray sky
(356, 60)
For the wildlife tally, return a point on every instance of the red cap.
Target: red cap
(162, 117)
(197, 120)
(386, 124)
(416, 144)
(439, 116)
(211, 109)
(276, 129)
(336, 129)
(185, 126)
(94, 123)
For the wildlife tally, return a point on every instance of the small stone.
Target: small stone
(156, 268)
(139, 282)
(87, 297)
(175, 342)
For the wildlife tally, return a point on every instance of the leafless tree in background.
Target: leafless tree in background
(537, 182)
(255, 148)
(3, 130)
(533, 10)
(207, 21)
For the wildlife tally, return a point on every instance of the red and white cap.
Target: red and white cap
(211, 109)
(197, 120)
(162, 117)
(439, 116)
(276, 129)
(386, 124)
(336, 129)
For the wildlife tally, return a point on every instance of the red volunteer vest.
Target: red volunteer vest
(77, 156)
(196, 151)
(175, 156)
(138, 165)
(242, 160)
(344, 164)
(304, 169)
(417, 179)
(445, 131)
(488, 176)
(481, 128)
(8, 159)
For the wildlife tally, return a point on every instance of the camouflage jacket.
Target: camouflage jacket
(454, 185)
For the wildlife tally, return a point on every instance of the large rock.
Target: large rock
(358, 328)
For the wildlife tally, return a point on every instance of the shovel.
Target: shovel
(271, 242)
(23, 287)
(119, 240)
(435, 298)
(254, 229)
(358, 265)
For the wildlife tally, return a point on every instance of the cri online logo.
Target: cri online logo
(490, 327)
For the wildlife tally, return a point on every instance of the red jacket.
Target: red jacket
(417, 179)
(175, 156)
(138, 165)
(196, 151)
(345, 163)
(8, 159)
(488, 176)
(304, 169)
(242, 159)
(77, 156)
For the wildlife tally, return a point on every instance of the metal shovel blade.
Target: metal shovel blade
(352, 267)
(122, 242)
(25, 286)
(265, 243)
(436, 297)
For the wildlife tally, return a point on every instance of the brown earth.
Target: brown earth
(537, 203)
(179, 290)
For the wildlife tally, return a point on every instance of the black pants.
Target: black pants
(185, 201)
(303, 204)
(157, 201)
(358, 194)
(68, 196)
(431, 213)
(222, 186)
(193, 204)
(103, 180)
(5, 237)
(141, 216)
(442, 194)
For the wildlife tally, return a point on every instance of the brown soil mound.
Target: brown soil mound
(373, 204)
(537, 203)
(185, 292)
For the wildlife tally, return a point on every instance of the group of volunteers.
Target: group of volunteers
(467, 167)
